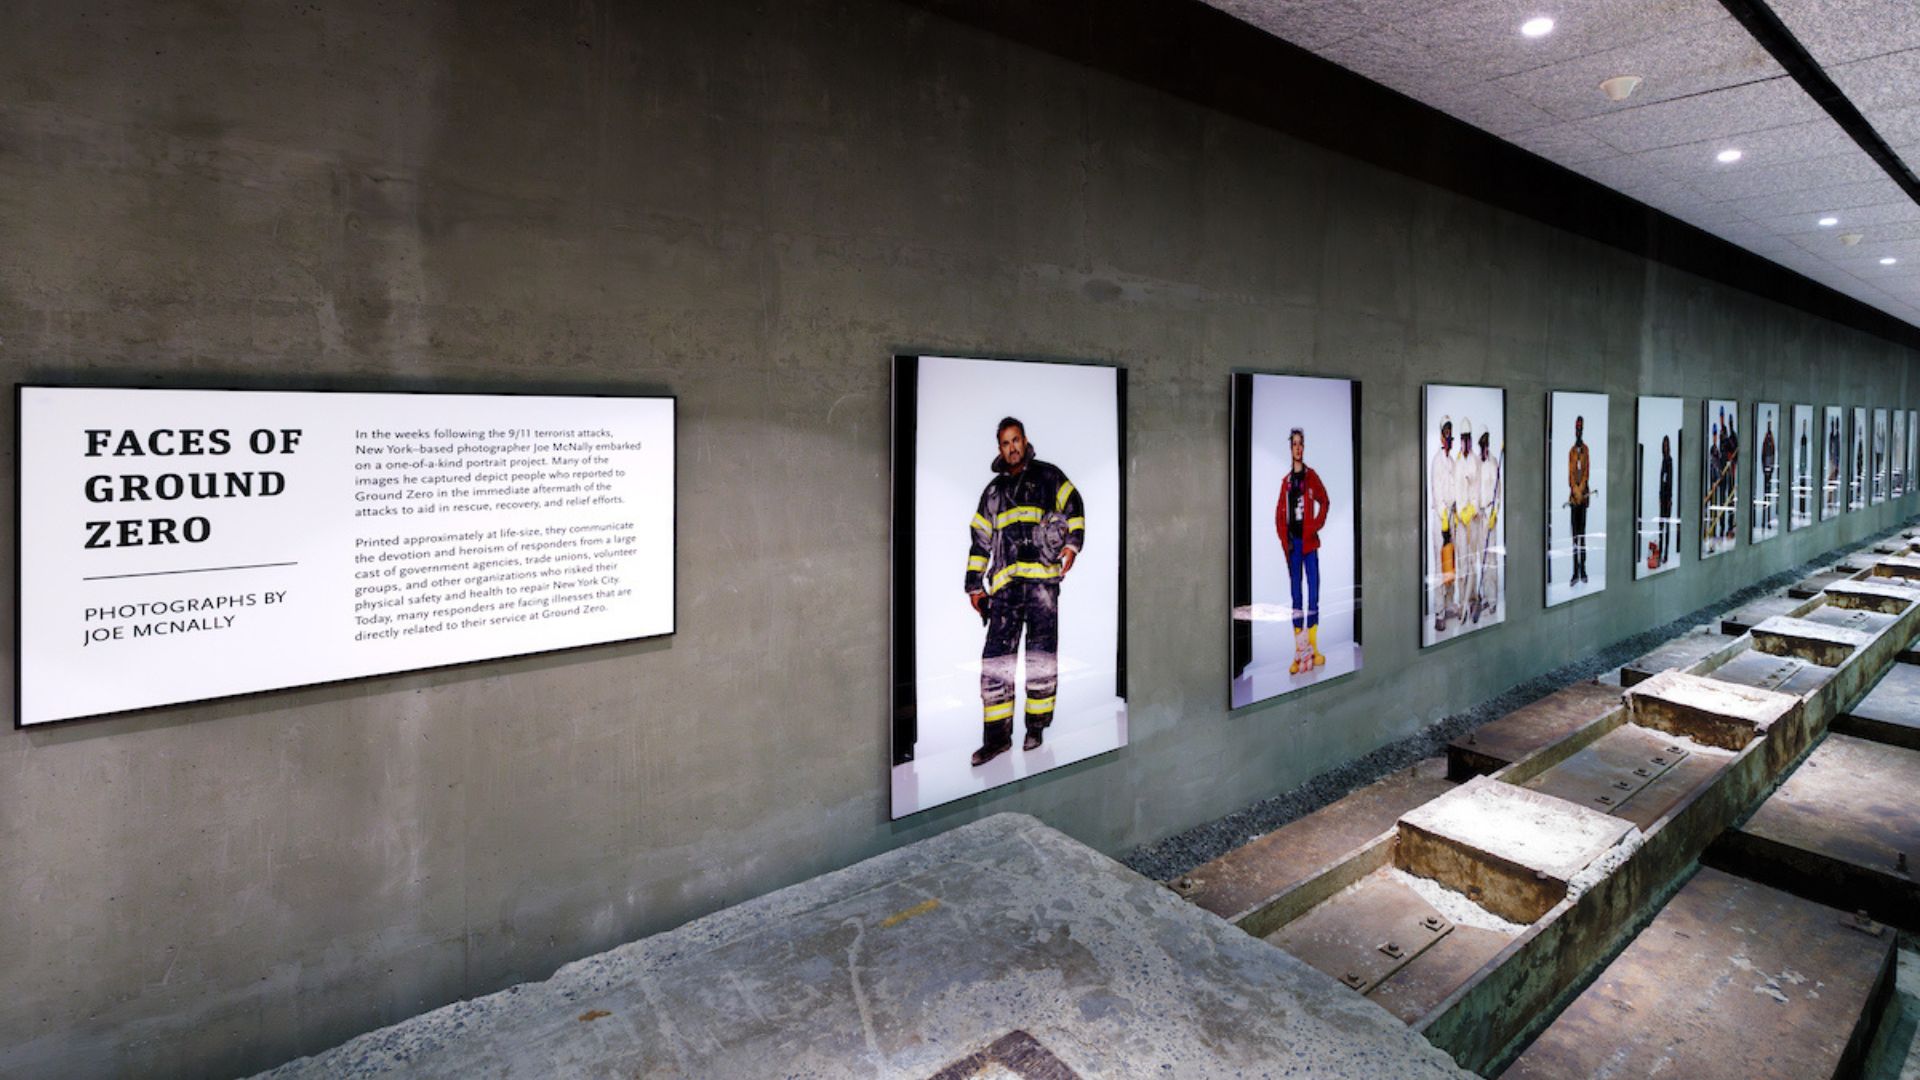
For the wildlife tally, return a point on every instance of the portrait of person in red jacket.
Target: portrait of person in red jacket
(1298, 517)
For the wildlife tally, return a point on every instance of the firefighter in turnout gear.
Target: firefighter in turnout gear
(1027, 531)
(1468, 524)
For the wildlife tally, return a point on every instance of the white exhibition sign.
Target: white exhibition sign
(180, 545)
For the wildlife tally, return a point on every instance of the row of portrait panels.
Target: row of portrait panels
(1009, 638)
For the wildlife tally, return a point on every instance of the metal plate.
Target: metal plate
(1665, 792)
(1612, 770)
(1890, 713)
(1366, 933)
(1871, 622)
(1817, 584)
(1731, 979)
(1852, 800)
(1786, 674)
(1413, 991)
(1682, 652)
(1527, 729)
(1744, 619)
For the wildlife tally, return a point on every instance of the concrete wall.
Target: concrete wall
(753, 206)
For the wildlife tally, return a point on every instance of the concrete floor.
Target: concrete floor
(910, 962)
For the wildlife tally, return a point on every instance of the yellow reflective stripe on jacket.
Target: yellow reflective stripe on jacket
(980, 522)
(1039, 704)
(1029, 514)
(1002, 711)
(976, 562)
(1076, 524)
(1031, 571)
(1060, 500)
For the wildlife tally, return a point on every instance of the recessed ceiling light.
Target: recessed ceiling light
(1888, 261)
(1826, 221)
(1727, 156)
(1620, 87)
(1537, 27)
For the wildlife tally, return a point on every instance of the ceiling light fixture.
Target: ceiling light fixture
(1826, 221)
(1620, 87)
(1727, 156)
(1888, 261)
(1537, 27)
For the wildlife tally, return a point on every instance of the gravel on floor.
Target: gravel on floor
(1166, 859)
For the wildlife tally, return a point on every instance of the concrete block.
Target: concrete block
(1874, 595)
(1717, 713)
(908, 964)
(1511, 850)
(1897, 566)
(1816, 643)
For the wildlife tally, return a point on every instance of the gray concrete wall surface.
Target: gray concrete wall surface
(754, 206)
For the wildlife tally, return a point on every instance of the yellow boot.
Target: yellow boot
(1313, 646)
(1294, 668)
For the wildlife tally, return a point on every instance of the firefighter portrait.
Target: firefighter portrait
(1027, 531)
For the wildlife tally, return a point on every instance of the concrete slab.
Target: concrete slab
(1786, 674)
(1241, 881)
(1677, 655)
(1732, 979)
(1890, 713)
(1717, 713)
(1528, 729)
(1815, 642)
(1873, 594)
(908, 964)
(1844, 828)
(1511, 850)
(1743, 619)
(1897, 566)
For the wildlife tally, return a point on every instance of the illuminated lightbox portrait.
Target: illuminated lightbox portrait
(1009, 511)
(1463, 511)
(1296, 526)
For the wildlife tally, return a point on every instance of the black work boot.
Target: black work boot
(998, 740)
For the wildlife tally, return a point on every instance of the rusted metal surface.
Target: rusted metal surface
(1605, 775)
(1413, 991)
(1815, 641)
(1844, 827)
(1732, 979)
(1786, 674)
(1717, 713)
(1874, 594)
(1530, 728)
(1679, 654)
(1511, 850)
(1665, 791)
(1816, 584)
(1744, 619)
(1248, 877)
(1365, 933)
(1890, 713)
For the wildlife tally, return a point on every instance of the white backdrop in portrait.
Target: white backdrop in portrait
(1913, 447)
(1877, 465)
(1857, 461)
(1071, 416)
(1804, 493)
(1720, 506)
(1897, 450)
(1833, 463)
(1485, 408)
(1562, 409)
(1763, 513)
(1657, 431)
(1323, 410)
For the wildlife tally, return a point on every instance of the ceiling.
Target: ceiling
(1708, 85)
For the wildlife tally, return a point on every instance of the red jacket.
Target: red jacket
(1313, 511)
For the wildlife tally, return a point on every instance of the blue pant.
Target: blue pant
(1309, 615)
